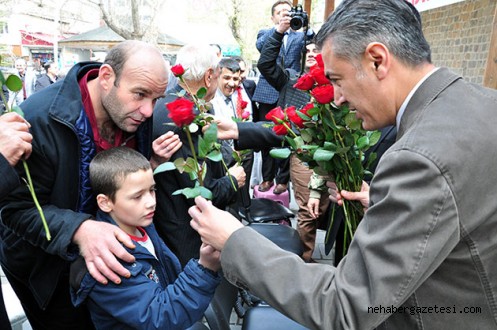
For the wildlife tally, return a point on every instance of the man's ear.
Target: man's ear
(104, 203)
(379, 59)
(106, 77)
(208, 76)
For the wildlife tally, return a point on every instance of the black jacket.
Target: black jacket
(62, 150)
(171, 219)
(281, 79)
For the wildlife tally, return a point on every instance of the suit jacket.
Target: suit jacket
(289, 57)
(427, 241)
(42, 82)
(171, 219)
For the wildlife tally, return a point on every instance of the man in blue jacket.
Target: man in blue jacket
(96, 107)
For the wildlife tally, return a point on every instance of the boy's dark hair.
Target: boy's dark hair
(230, 64)
(280, 2)
(109, 168)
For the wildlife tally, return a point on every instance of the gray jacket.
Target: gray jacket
(424, 256)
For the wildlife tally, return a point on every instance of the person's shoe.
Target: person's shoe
(280, 188)
(265, 186)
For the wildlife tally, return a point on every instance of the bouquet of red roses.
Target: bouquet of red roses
(330, 139)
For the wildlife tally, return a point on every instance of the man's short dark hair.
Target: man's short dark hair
(280, 2)
(230, 64)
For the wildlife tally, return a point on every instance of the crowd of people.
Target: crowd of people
(127, 252)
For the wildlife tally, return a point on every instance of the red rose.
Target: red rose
(294, 117)
(275, 114)
(319, 59)
(305, 82)
(181, 111)
(244, 104)
(280, 129)
(245, 115)
(323, 94)
(178, 70)
(306, 108)
(317, 73)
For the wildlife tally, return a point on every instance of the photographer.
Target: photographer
(283, 81)
(266, 96)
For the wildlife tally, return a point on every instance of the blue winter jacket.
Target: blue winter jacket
(158, 295)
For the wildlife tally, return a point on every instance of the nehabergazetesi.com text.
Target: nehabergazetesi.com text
(413, 310)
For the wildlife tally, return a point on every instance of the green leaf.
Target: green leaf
(363, 142)
(190, 165)
(215, 156)
(14, 83)
(314, 111)
(201, 92)
(180, 164)
(2, 79)
(210, 135)
(203, 147)
(17, 109)
(323, 155)
(374, 137)
(291, 143)
(280, 153)
(299, 142)
(167, 166)
(205, 193)
(330, 146)
(306, 136)
(188, 192)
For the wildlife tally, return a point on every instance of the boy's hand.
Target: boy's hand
(210, 258)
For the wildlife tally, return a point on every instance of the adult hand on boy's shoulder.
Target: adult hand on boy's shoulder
(100, 243)
(210, 258)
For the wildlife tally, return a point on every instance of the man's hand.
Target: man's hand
(15, 139)
(239, 173)
(226, 129)
(361, 196)
(214, 225)
(313, 207)
(99, 244)
(284, 23)
(164, 147)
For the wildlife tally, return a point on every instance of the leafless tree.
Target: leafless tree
(131, 19)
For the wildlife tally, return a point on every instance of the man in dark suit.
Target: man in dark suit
(427, 239)
(48, 78)
(171, 215)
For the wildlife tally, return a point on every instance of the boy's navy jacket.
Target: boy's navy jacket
(177, 301)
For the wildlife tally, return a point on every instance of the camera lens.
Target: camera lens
(296, 23)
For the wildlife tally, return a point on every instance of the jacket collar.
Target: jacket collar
(424, 96)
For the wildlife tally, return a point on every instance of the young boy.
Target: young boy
(158, 294)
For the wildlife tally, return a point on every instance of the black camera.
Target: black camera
(299, 18)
